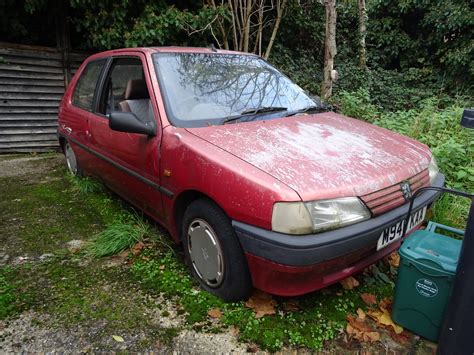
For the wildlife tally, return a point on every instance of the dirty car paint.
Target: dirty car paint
(325, 155)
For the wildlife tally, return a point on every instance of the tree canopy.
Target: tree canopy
(427, 41)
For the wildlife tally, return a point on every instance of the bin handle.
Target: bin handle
(434, 188)
(428, 273)
(433, 226)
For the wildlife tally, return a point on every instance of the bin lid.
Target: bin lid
(438, 249)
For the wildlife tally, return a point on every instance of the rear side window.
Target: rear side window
(83, 95)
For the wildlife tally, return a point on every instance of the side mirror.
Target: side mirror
(128, 122)
(467, 119)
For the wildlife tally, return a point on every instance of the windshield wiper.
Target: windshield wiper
(255, 111)
(309, 109)
(252, 111)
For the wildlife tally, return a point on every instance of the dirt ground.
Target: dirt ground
(34, 331)
(76, 304)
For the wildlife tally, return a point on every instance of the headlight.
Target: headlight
(317, 216)
(331, 214)
(433, 169)
(291, 218)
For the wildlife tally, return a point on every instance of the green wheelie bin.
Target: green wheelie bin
(428, 262)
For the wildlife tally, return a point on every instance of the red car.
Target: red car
(259, 182)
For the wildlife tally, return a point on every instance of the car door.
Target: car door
(76, 108)
(129, 162)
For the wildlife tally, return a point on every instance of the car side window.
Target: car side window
(125, 90)
(83, 95)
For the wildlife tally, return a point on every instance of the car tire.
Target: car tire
(71, 161)
(213, 252)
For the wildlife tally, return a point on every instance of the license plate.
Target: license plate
(395, 232)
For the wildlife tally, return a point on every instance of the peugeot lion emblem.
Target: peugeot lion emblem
(406, 190)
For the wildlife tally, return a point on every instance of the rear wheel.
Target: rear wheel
(213, 252)
(71, 160)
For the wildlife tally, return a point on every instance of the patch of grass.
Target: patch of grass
(8, 296)
(85, 185)
(451, 211)
(119, 236)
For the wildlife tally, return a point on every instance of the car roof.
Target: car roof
(169, 49)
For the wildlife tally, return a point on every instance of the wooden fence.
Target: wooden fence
(32, 82)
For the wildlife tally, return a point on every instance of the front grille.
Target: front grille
(386, 199)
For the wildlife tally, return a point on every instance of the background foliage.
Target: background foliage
(419, 54)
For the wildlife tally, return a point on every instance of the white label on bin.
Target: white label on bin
(427, 288)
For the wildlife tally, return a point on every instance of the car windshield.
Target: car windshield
(202, 89)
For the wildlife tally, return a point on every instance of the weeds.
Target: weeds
(84, 185)
(437, 126)
(119, 236)
(7, 297)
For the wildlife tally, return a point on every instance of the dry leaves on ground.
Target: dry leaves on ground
(118, 338)
(349, 283)
(137, 248)
(369, 299)
(360, 330)
(386, 303)
(262, 304)
(291, 306)
(393, 259)
(360, 314)
(403, 338)
(382, 315)
(214, 313)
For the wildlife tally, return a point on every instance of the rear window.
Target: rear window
(83, 95)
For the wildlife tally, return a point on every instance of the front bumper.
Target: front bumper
(292, 265)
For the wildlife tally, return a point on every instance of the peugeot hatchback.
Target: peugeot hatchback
(262, 186)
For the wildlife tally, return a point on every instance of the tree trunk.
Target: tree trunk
(362, 34)
(329, 48)
(280, 8)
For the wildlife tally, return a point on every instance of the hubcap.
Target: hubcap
(70, 159)
(205, 252)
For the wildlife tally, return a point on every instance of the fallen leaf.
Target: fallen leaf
(262, 304)
(369, 299)
(403, 338)
(360, 330)
(358, 324)
(137, 248)
(360, 314)
(162, 267)
(371, 337)
(214, 313)
(252, 348)
(291, 306)
(386, 303)
(394, 259)
(349, 283)
(118, 338)
(383, 317)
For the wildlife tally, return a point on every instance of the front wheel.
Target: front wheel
(213, 252)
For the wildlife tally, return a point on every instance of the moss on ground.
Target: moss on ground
(90, 296)
(39, 214)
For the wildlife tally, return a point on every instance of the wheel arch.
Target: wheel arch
(183, 200)
(62, 143)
